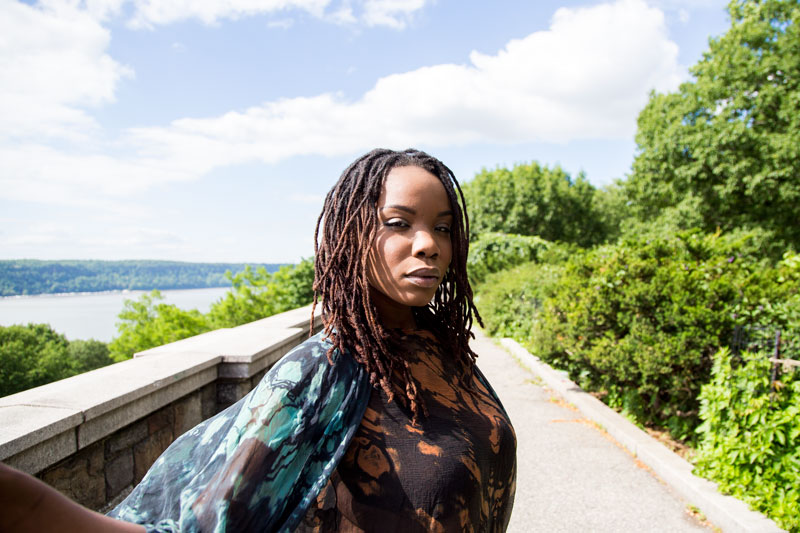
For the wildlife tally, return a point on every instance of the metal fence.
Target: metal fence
(782, 348)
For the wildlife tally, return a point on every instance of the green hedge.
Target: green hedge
(35, 354)
(511, 300)
(494, 251)
(640, 321)
(749, 435)
(637, 321)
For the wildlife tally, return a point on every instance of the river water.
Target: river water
(92, 315)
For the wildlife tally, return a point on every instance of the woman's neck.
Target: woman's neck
(391, 314)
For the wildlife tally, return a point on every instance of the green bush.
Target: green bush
(640, 321)
(510, 300)
(780, 312)
(749, 435)
(492, 252)
(256, 294)
(146, 323)
(31, 356)
(88, 354)
(34, 355)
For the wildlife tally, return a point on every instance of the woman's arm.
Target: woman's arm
(27, 504)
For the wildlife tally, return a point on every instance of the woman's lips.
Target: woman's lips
(427, 277)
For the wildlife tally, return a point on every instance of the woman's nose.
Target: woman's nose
(424, 244)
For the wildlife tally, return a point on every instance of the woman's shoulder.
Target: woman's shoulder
(308, 364)
(313, 352)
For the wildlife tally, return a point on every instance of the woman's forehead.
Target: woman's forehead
(412, 185)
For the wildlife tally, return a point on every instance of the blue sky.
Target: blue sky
(203, 130)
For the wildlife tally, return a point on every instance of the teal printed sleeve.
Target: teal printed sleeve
(257, 465)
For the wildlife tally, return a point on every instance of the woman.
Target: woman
(382, 422)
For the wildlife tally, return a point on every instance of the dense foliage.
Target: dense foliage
(751, 424)
(33, 355)
(258, 293)
(531, 199)
(510, 301)
(749, 435)
(27, 276)
(724, 150)
(638, 321)
(146, 322)
(492, 252)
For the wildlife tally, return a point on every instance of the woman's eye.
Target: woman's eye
(443, 229)
(395, 223)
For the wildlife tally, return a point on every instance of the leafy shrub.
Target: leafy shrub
(749, 435)
(146, 323)
(640, 321)
(31, 356)
(34, 355)
(88, 354)
(510, 300)
(256, 294)
(778, 313)
(493, 252)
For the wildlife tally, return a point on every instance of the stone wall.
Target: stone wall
(94, 436)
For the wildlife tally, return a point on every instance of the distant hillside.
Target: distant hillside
(30, 276)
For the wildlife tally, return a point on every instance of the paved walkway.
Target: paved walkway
(571, 475)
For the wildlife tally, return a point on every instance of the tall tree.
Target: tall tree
(724, 150)
(531, 199)
(32, 355)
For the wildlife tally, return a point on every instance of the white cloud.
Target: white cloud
(687, 4)
(128, 236)
(586, 77)
(150, 13)
(391, 13)
(46, 175)
(38, 235)
(53, 65)
(59, 241)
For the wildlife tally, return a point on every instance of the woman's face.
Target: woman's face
(412, 247)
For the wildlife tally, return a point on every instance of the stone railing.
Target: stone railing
(93, 436)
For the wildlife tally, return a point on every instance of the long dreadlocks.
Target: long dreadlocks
(349, 223)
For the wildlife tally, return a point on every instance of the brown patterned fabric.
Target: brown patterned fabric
(455, 471)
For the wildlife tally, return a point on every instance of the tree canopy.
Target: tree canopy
(530, 199)
(724, 150)
(35, 354)
(31, 276)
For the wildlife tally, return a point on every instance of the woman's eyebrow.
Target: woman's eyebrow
(412, 211)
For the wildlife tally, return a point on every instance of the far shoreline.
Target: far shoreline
(111, 291)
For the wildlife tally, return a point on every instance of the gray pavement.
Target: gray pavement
(572, 476)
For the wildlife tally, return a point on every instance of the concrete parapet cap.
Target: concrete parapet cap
(80, 410)
(33, 416)
(232, 345)
(107, 388)
(245, 343)
(296, 318)
(23, 426)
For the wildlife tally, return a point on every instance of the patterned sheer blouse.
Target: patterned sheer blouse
(454, 471)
